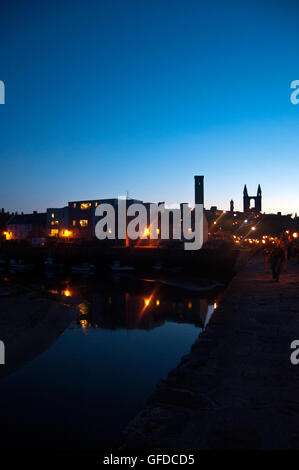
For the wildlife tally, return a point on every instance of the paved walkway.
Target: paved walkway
(237, 389)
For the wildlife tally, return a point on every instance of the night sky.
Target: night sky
(104, 97)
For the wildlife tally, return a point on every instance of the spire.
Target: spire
(259, 190)
(199, 189)
(245, 192)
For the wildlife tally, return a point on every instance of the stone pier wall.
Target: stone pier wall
(237, 388)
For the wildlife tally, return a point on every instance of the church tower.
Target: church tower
(246, 200)
(258, 200)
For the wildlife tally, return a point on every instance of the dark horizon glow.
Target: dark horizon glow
(139, 96)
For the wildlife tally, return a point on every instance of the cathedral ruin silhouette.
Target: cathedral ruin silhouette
(257, 200)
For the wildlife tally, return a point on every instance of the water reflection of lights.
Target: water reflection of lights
(147, 301)
(147, 311)
(83, 308)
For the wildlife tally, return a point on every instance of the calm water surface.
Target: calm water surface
(81, 391)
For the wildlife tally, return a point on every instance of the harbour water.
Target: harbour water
(83, 388)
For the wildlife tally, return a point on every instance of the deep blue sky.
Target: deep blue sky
(108, 96)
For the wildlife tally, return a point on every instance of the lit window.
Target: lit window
(8, 235)
(96, 204)
(54, 232)
(83, 223)
(74, 205)
(54, 222)
(52, 215)
(85, 205)
(74, 223)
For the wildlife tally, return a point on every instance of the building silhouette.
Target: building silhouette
(257, 200)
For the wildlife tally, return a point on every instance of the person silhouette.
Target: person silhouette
(277, 260)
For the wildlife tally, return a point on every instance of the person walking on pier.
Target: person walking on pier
(266, 253)
(277, 260)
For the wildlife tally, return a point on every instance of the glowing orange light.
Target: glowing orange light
(8, 235)
(146, 231)
(147, 301)
(189, 305)
(85, 205)
(158, 302)
(253, 228)
(295, 235)
(215, 304)
(67, 293)
(67, 233)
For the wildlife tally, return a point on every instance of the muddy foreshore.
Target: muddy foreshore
(237, 388)
(29, 324)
